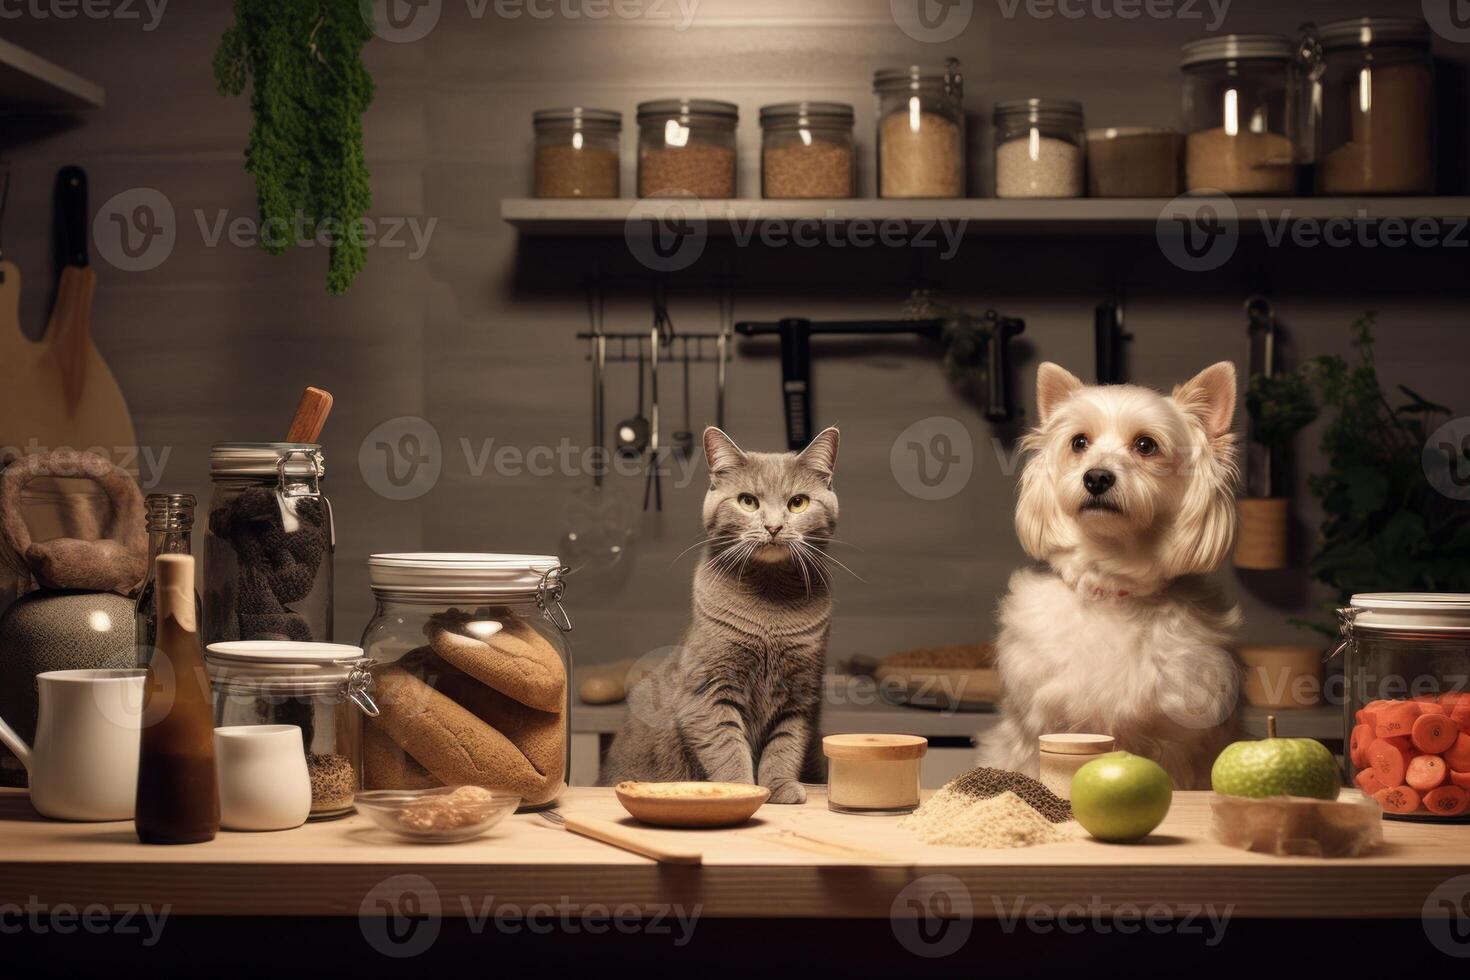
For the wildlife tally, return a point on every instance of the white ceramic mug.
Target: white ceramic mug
(84, 765)
(263, 782)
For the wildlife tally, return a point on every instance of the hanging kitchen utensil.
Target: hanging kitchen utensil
(1262, 332)
(796, 359)
(1109, 340)
(684, 437)
(76, 284)
(653, 482)
(632, 434)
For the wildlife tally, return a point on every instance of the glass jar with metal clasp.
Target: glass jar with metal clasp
(325, 689)
(268, 545)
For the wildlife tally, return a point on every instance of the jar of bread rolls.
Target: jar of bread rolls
(470, 670)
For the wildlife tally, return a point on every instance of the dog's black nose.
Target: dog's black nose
(1098, 482)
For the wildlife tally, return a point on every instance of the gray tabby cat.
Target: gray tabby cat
(741, 699)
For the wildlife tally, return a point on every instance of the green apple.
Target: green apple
(1276, 767)
(1121, 796)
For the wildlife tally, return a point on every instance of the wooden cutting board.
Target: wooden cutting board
(35, 411)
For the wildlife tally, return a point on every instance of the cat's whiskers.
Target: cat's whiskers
(700, 544)
(823, 556)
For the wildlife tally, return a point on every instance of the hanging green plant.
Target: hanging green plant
(309, 90)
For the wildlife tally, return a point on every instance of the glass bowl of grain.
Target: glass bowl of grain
(439, 815)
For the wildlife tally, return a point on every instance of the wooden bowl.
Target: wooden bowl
(691, 804)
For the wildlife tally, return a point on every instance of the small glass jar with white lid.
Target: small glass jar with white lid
(873, 774)
(921, 131)
(1040, 148)
(471, 672)
(807, 151)
(324, 689)
(577, 152)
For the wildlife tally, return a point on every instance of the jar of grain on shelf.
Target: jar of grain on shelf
(577, 152)
(921, 131)
(1040, 148)
(1376, 92)
(1133, 161)
(807, 150)
(1240, 102)
(686, 148)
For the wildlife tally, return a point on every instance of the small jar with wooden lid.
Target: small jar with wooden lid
(873, 774)
(1064, 753)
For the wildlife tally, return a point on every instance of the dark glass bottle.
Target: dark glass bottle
(178, 794)
(170, 519)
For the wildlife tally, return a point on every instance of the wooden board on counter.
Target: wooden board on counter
(789, 862)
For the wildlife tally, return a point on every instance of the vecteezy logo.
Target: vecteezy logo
(1447, 459)
(932, 916)
(402, 458)
(1198, 234)
(400, 917)
(135, 230)
(934, 21)
(1446, 917)
(402, 21)
(933, 458)
(1450, 19)
(667, 234)
(1202, 695)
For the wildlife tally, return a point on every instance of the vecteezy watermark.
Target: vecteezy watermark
(401, 917)
(933, 21)
(136, 230)
(404, 21)
(147, 461)
(1450, 19)
(148, 12)
(1123, 918)
(1446, 917)
(933, 459)
(1211, 12)
(1199, 688)
(402, 458)
(667, 234)
(932, 916)
(1200, 232)
(1447, 459)
(62, 919)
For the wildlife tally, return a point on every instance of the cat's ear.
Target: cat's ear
(1054, 385)
(821, 455)
(721, 452)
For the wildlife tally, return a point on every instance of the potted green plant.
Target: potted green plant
(1279, 406)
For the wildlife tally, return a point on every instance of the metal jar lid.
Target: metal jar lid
(1238, 47)
(946, 78)
(1363, 32)
(1400, 613)
(1037, 110)
(691, 112)
(579, 117)
(829, 115)
(301, 460)
(287, 668)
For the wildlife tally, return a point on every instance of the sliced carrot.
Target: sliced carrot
(1367, 781)
(1447, 801)
(1460, 779)
(1387, 761)
(1396, 719)
(1425, 772)
(1457, 756)
(1451, 698)
(1460, 714)
(1399, 799)
(1432, 699)
(1403, 743)
(1362, 737)
(1434, 733)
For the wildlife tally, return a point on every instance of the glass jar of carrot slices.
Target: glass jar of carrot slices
(1407, 710)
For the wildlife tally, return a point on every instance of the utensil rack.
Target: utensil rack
(641, 339)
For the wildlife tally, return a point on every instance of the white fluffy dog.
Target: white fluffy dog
(1128, 497)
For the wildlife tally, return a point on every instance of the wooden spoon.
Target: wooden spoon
(311, 416)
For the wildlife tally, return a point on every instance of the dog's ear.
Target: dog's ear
(1054, 385)
(1210, 397)
(721, 452)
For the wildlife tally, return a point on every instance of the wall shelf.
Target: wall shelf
(982, 216)
(30, 82)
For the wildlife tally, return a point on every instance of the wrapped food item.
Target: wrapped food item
(1297, 826)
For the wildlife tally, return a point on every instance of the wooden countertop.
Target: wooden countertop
(788, 862)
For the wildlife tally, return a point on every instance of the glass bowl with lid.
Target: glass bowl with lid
(1406, 713)
(470, 666)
